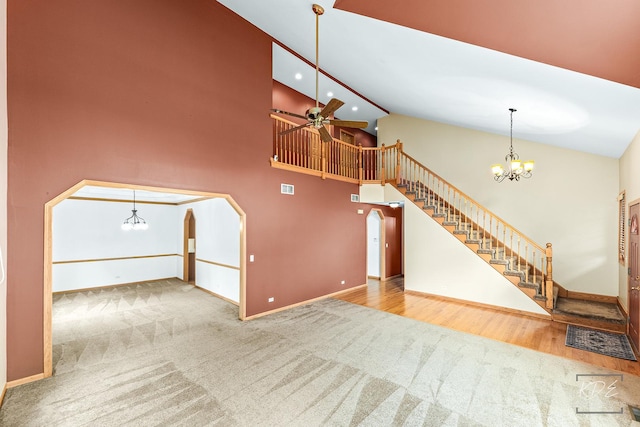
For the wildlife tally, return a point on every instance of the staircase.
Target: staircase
(521, 260)
(478, 237)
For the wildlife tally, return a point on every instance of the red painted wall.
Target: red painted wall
(161, 93)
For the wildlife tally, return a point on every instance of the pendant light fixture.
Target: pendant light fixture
(134, 222)
(516, 168)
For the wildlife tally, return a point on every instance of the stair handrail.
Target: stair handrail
(431, 187)
(462, 193)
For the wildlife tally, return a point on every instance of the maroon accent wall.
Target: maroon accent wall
(589, 37)
(162, 93)
(287, 99)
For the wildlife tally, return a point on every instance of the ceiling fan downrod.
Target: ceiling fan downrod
(318, 10)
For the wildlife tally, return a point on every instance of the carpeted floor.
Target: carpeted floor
(165, 353)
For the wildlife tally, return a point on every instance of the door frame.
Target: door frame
(629, 275)
(188, 217)
(47, 332)
(381, 244)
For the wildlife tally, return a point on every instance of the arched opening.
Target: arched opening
(108, 195)
(189, 248)
(376, 245)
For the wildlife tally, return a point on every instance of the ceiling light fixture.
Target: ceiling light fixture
(354, 108)
(394, 205)
(298, 76)
(134, 222)
(516, 168)
(329, 94)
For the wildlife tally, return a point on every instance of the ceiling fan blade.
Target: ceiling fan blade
(332, 106)
(349, 123)
(324, 134)
(275, 110)
(284, 132)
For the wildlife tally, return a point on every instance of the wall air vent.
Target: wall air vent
(355, 197)
(286, 189)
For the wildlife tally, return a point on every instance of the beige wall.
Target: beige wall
(572, 207)
(630, 184)
(438, 263)
(3, 190)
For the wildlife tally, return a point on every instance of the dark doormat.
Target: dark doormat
(607, 343)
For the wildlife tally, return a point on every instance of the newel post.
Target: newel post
(398, 158)
(549, 279)
(360, 163)
(383, 160)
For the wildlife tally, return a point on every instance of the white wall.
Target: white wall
(573, 207)
(90, 230)
(630, 183)
(373, 244)
(217, 246)
(3, 190)
(438, 263)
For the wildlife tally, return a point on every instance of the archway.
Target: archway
(376, 243)
(191, 196)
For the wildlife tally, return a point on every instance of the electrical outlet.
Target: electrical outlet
(271, 299)
(251, 258)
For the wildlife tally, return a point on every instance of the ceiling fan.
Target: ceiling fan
(319, 117)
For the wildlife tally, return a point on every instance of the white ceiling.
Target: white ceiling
(113, 193)
(422, 75)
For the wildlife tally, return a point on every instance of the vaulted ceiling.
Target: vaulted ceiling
(571, 68)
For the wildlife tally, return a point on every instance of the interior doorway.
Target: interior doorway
(189, 247)
(376, 245)
(634, 275)
(190, 196)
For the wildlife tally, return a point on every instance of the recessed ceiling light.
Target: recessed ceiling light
(329, 94)
(354, 108)
(298, 76)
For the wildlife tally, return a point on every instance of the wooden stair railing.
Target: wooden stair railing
(519, 258)
(510, 251)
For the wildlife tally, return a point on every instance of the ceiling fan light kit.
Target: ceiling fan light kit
(516, 168)
(318, 117)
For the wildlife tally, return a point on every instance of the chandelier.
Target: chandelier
(134, 222)
(516, 168)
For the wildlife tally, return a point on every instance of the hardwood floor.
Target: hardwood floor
(530, 332)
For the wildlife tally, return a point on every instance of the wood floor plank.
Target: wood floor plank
(530, 332)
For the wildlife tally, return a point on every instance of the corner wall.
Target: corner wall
(3, 192)
(570, 201)
(630, 184)
(217, 247)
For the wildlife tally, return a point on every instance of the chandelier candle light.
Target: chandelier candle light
(516, 168)
(134, 222)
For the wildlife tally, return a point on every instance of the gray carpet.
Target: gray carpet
(165, 353)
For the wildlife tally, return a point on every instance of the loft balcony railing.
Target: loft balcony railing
(303, 151)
